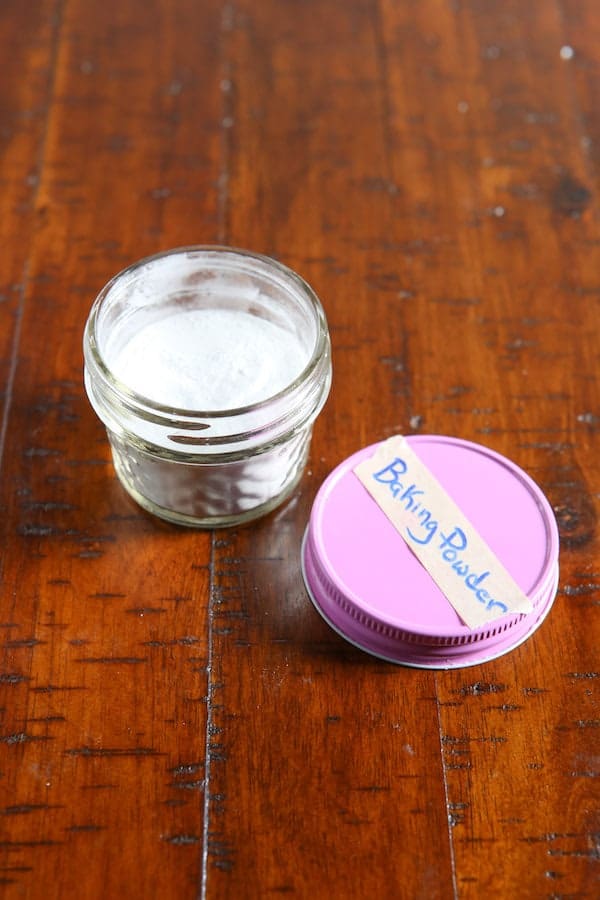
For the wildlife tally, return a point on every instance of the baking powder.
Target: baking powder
(208, 367)
(209, 359)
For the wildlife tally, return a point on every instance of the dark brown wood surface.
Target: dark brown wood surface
(176, 719)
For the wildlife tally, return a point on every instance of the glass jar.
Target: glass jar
(208, 367)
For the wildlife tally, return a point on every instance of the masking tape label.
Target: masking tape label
(448, 546)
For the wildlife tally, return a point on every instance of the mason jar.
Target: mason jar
(208, 366)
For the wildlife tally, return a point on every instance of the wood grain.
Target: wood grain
(176, 720)
(104, 611)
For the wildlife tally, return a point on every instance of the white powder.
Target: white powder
(209, 359)
(208, 333)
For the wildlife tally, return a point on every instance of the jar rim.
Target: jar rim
(152, 410)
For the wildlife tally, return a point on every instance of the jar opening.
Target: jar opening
(203, 346)
(205, 332)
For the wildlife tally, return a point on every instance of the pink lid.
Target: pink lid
(369, 586)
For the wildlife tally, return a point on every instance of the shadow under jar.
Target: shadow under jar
(208, 367)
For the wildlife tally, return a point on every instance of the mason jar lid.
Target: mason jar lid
(370, 587)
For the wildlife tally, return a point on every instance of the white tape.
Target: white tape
(448, 546)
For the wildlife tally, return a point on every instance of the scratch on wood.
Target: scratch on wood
(22, 738)
(580, 589)
(26, 808)
(56, 718)
(217, 753)
(51, 688)
(32, 452)
(373, 788)
(145, 610)
(221, 851)
(13, 678)
(23, 642)
(187, 769)
(113, 751)
(197, 785)
(181, 840)
(480, 688)
(505, 707)
(186, 641)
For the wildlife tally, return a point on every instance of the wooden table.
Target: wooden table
(177, 720)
